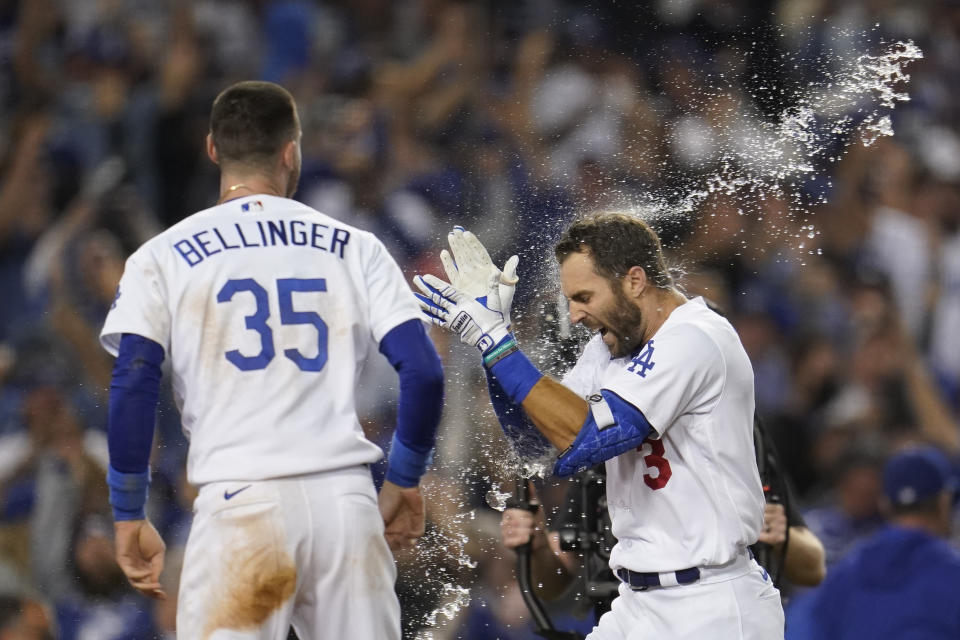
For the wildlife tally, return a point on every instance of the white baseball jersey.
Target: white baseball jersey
(690, 495)
(266, 310)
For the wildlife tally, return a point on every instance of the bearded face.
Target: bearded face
(602, 305)
(622, 326)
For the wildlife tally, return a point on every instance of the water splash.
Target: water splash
(497, 500)
(456, 598)
(773, 159)
(432, 575)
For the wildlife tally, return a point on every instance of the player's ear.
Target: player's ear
(212, 150)
(635, 281)
(290, 151)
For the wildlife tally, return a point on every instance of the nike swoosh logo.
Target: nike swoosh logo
(227, 495)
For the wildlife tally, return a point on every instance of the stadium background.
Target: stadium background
(506, 118)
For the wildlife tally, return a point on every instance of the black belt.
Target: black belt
(643, 581)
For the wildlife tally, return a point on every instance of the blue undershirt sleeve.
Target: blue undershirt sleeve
(526, 439)
(410, 351)
(134, 394)
(513, 370)
(613, 426)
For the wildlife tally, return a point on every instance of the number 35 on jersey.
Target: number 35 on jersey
(257, 321)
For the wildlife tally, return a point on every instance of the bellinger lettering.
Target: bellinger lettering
(206, 243)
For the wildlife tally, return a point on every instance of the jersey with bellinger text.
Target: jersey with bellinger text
(690, 495)
(266, 310)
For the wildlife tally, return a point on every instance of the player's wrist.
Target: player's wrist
(128, 494)
(504, 347)
(405, 465)
(515, 373)
(488, 334)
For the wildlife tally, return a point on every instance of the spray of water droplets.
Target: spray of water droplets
(772, 160)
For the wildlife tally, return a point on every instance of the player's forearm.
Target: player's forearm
(134, 393)
(417, 363)
(526, 438)
(565, 419)
(805, 563)
(556, 411)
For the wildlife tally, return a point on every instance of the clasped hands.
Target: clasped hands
(475, 303)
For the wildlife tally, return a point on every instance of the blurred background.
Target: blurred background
(509, 118)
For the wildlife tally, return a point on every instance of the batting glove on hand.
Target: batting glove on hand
(478, 321)
(471, 270)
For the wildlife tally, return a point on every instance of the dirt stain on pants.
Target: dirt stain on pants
(259, 577)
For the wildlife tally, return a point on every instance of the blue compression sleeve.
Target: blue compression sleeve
(612, 427)
(134, 393)
(512, 369)
(412, 354)
(527, 440)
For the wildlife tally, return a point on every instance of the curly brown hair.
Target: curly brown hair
(616, 242)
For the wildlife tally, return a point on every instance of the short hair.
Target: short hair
(616, 242)
(251, 121)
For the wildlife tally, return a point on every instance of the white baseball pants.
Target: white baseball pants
(306, 550)
(734, 602)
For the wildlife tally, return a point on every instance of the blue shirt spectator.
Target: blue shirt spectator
(904, 581)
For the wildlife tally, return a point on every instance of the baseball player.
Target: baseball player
(663, 394)
(265, 311)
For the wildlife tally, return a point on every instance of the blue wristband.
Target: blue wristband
(516, 374)
(128, 494)
(406, 466)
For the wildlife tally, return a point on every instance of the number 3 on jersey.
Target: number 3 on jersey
(258, 321)
(658, 468)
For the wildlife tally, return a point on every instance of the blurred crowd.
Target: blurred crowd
(508, 118)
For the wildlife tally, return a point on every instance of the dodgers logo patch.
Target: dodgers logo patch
(643, 361)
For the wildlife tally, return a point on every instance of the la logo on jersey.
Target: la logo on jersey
(643, 361)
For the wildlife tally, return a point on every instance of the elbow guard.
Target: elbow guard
(612, 427)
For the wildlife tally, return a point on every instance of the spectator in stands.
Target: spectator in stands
(852, 510)
(72, 552)
(24, 618)
(904, 581)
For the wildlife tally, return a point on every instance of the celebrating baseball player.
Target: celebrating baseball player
(266, 310)
(663, 394)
